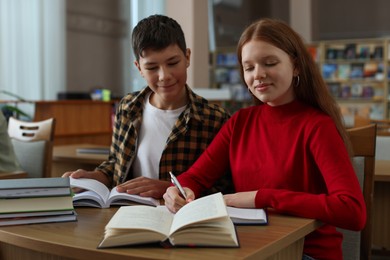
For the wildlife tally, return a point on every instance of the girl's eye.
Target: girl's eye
(248, 68)
(151, 68)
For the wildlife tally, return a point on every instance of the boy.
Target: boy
(165, 126)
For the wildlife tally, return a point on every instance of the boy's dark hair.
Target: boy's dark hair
(157, 32)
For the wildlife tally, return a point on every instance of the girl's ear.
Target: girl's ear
(296, 71)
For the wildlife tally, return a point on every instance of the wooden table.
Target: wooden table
(66, 158)
(381, 207)
(281, 239)
(13, 175)
(382, 171)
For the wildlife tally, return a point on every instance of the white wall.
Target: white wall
(193, 18)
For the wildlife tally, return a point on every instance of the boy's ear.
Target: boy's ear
(188, 57)
(138, 67)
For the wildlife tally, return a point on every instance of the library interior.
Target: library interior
(66, 65)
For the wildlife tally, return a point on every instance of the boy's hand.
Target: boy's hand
(144, 187)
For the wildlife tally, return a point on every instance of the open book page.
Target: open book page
(89, 199)
(247, 215)
(121, 198)
(95, 194)
(98, 192)
(130, 225)
(91, 185)
(220, 233)
(202, 209)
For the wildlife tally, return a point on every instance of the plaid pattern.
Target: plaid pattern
(193, 131)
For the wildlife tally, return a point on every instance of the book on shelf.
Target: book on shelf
(357, 70)
(93, 150)
(96, 194)
(370, 69)
(247, 216)
(34, 187)
(334, 89)
(329, 71)
(203, 222)
(343, 71)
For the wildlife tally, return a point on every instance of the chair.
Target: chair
(363, 140)
(33, 144)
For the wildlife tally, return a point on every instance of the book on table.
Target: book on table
(248, 216)
(35, 200)
(96, 194)
(34, 187)
(46, 217)
(202, 222)
(93, 150)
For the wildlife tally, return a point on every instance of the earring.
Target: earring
(297, 81)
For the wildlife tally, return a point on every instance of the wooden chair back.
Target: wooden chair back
(363, 140)
(382, 126)
(31, 131)
(33, 145)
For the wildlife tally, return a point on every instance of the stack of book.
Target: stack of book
(35, 200)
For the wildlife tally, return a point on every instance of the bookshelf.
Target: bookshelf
(225, 74)
(357, 73)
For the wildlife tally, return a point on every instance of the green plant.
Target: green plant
(13, 110)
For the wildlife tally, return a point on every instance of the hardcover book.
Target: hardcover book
(247, 216)
(202, 222)
(34, 187)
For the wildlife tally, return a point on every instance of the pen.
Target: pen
(177, 184)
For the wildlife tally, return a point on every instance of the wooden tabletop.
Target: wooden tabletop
(382, 170)
(79, 239)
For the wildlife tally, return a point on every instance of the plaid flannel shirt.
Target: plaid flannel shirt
(192, 133)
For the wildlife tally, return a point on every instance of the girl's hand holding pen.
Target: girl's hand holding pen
(174, 200)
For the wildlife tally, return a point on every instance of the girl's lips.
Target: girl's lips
(261, 87)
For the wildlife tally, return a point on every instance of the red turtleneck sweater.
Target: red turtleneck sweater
(295, 158)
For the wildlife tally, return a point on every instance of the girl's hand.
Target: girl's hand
(241, 199)
(173, 199)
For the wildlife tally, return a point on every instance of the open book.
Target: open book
(96, 194)
(202, 222)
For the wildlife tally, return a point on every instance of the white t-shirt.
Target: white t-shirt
(156, 126)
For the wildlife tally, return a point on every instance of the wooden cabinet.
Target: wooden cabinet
(357, 73)
(79, 121)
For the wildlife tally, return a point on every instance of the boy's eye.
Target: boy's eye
(173, 63)
(151, 68)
